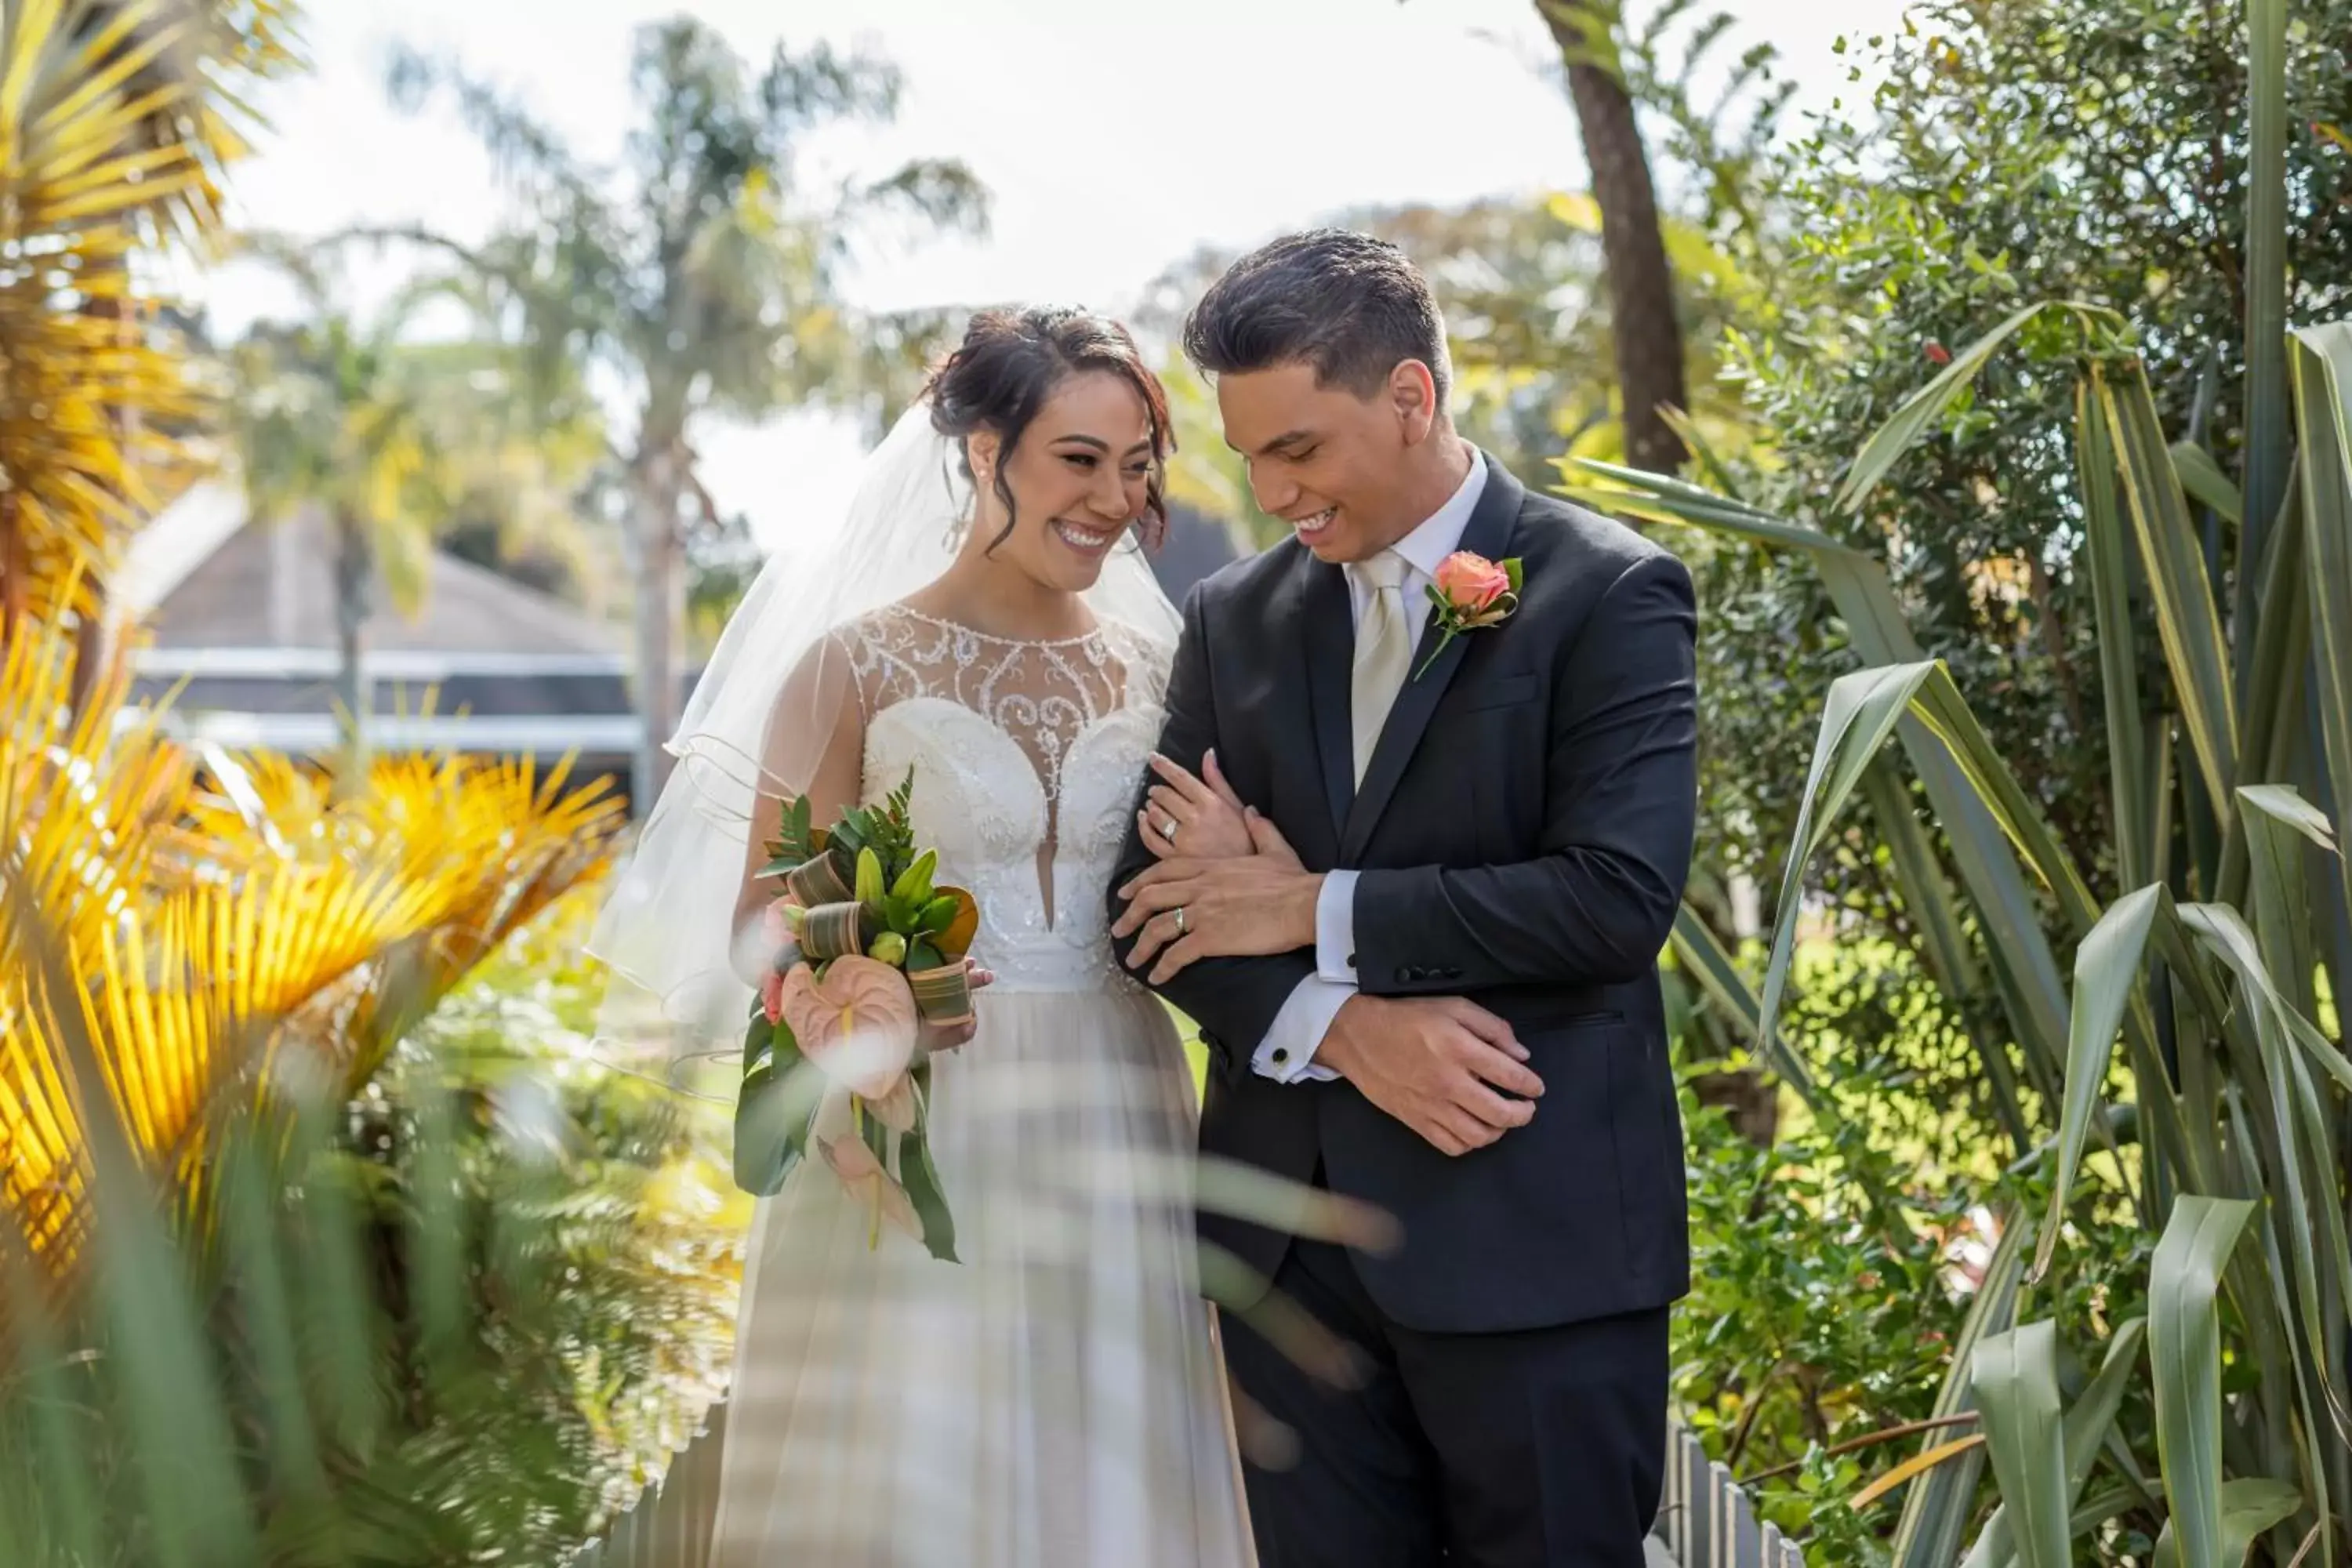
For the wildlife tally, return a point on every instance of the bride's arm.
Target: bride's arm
(815, 745)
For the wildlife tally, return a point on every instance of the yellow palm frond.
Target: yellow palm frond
(115, 118)
(214, 926)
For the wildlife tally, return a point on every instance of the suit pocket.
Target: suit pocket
(1552, 1014)
(1501, 691)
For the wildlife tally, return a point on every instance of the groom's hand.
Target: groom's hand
(1247, 906)
(1435, 1062)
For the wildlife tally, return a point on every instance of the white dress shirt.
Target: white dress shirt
(1287, 1052)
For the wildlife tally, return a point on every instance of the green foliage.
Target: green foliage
(1818, 1313)
(588, 1205)
(2016, 153)
(453, 1320)
(2183, 861)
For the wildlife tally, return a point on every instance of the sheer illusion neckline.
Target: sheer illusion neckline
(946, 624)
(1040, 696)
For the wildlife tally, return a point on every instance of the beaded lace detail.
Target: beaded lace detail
(1028, 756)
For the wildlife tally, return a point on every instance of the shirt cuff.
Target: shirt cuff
(1335, 929)
(1287, 1055)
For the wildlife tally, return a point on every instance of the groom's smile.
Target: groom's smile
(1348, 472)
(1313, 526)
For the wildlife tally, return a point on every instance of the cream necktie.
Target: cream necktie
(1383, 652)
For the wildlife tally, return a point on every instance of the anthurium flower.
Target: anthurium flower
(858, 1024)
(865, 1178)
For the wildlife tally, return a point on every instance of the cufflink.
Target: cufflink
(1281, 1055)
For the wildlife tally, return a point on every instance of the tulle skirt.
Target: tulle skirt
(1056, 1399)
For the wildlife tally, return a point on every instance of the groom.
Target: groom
(1445, 1003)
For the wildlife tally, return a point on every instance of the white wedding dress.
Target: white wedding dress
(1056, 1400)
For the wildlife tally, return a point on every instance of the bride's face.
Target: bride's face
(1079, 476)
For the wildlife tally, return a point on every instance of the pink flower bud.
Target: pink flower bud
(1471, 583)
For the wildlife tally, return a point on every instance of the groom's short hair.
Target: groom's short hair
(1349, 305)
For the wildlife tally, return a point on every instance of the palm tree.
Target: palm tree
(390, 440)
(118, 119)
(1648, 335)
(701, 275)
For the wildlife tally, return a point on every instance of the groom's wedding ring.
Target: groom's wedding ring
(1181, 927)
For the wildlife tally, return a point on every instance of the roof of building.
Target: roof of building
(204, 576)
(240, 619)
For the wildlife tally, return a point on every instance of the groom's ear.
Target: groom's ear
(1413, 393)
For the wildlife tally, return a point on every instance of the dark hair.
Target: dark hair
(1010, 363)
(1349, 305)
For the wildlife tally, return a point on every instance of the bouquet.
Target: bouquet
(866, 952)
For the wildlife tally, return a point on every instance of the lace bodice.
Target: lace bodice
(1027, 758)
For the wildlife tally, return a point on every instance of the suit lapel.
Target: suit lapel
(1331, 638)
(1489, 532)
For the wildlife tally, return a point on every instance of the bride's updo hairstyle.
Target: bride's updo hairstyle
(1011, 362)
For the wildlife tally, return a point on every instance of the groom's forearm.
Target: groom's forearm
(1576, 919)
(1235, 1001)
(1594, 905)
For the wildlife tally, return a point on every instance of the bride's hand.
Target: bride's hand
(931, 1040)
(1199, 819)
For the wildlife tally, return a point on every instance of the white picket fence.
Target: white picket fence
(1705, 1521)
(670, 1525)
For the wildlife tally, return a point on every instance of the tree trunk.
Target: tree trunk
(660, 617)
(354, 587)
(1649, 336)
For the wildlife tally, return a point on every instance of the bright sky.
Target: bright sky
(1115, 138)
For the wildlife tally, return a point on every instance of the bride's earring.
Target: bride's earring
(980, 469)
(961, 528)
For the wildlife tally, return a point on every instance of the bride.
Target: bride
(1056, 1400)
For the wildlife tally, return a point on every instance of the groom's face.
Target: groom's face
(1324, 460)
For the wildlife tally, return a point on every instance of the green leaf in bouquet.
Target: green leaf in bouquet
(869, 879)
(797, 842)
(922, 1178)
(852, 833)
(921, 954)
(773, 1110)
(956, 940)
(833, 930)
(914, 884)
(816, 882)
(873, 1134)
(892, 832)
(936, 916)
